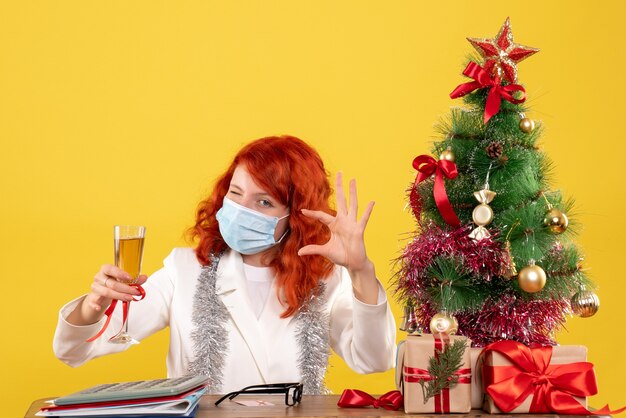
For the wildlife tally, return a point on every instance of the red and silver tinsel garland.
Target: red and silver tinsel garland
(503, 316)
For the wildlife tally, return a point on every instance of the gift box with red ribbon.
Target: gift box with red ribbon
(519, 379)
(413, 376)
(477, 384)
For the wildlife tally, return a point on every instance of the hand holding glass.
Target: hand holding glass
(128, 241)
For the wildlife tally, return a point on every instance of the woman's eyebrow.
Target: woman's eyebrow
(259, 194)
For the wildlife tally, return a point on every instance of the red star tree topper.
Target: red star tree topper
(501, 54)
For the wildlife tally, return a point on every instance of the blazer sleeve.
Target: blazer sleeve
(363, 335)
(145, 318)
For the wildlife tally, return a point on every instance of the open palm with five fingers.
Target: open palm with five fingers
(346, 246)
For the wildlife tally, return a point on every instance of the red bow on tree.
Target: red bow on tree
(351, 398)
(497, 92)
(552, 386)
(426, 167)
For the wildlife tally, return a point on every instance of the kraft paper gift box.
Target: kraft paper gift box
(477, 384)
(562, 355)
(412, 367)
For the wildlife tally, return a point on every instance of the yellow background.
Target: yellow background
(126, 111)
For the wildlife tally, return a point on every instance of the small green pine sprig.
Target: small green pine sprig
(443, 367)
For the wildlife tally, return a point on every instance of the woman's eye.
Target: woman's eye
(265, 203)
(234, 192)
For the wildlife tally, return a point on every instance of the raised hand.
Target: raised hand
(346, 245)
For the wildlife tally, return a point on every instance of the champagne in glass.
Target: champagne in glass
(128, 241)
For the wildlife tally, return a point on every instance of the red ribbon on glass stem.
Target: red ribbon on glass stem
(111, 308)
(497, 92)
(426, 167)
(351, 398)
(552, 386)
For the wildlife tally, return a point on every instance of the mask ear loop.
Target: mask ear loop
(283, 235)
(286, 230)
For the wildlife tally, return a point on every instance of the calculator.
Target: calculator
(134, 390)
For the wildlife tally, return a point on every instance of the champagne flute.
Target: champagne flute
(128, 242)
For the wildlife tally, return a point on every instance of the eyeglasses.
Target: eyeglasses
(292, 391)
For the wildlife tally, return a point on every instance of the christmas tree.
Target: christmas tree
(492, 257)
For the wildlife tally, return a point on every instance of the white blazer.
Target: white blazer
(262, 350)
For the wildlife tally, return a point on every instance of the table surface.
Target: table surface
(311, 406)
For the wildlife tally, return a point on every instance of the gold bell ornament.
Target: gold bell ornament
(442, 323)
(409, 320)
(585, 303)
(526, 125)
(509, 270)
(531, 278)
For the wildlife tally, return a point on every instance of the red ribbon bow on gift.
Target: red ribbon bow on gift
(552, 386)
(426, 166)
(350, 398)
(497, 92)
(111, 308)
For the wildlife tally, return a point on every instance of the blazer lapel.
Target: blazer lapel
(231, 289)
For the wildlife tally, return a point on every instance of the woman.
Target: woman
(277, 279)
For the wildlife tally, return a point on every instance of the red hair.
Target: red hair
(292, 172)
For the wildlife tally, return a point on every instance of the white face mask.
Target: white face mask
(245, 230)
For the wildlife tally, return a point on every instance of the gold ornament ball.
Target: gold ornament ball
(447, 154)
(443, 323)
(531, 278)
(527, 125)
(556, 221)
(585, 303)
